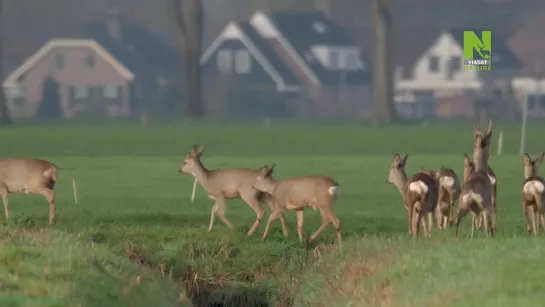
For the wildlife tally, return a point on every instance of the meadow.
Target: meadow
(136, 239)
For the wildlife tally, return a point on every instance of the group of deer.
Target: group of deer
(431, 192)
(257, 186)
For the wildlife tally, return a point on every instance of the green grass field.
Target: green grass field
(135, 238)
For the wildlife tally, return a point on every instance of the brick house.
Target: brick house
(90, 80)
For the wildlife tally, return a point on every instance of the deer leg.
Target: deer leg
(430, 223)
(451, 208)
(486, 221)
(281, 216)
(526, 212)
(438, 217)
(220, 202)
(462, 211)
(212, 216)
(534, 220)
(4, 192)
(256, 206)
(49, 194)
(417, 218)
(410, 218)
(273, 216)
(300, 220)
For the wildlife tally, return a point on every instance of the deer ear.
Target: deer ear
(476, 130)
(270, 169)
(397, 160)
(404, 161)
(527, 159)
(539, 159)
(199, 150)
(467, 160)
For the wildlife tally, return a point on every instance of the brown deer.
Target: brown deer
(533, 196)
(448, 193)
(28, 176)
(491, 174)
(469, 168)
(298, 193)
(229, 183)
(419, 194)
(476, 194)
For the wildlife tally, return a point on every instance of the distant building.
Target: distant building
(87, 76)
(304, 57)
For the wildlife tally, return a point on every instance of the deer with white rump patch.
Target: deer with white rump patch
(533, 196)
(298, 193)
(476, 194)
(449, 191)
(419, 194)
(28, 176)
(229, 183)
(469, 168)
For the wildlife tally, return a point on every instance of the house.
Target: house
(88, 79)
(156, 65)
(301, 55)
(530, 48)
(434, 63)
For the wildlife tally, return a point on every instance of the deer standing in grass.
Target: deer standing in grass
(419, 194)
(469, 168)
(533, 194)
(476, 194)
(28, 176)
(298, 193)
(448, 193)
(490, 172)
(229, 183)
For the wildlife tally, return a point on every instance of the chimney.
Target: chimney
(114, 24)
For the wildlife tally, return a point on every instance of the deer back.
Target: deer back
(478, 183)
(301, 191)
(421, 187)
(231, 182)
(27, 175)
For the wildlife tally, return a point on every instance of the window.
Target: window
(456, 63)
(335, 59)
(433, 63)
(224, 61)
(243, 64)
(59, 61)
(110, 92)
(81, 92)
(90, 60)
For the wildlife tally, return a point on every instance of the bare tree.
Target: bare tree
(189, 21)
(4, 115)
(385, 112)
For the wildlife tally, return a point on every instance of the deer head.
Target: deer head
(531, 167)
(264, 181)
(192, 160)
(481, 145)
(469, 167)
(397, 174)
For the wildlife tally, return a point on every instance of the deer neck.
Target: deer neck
(400, 182)
(201, 173)
(480, 159)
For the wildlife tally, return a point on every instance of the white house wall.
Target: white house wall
(445, 47)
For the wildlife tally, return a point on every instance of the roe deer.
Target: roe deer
(419, 194)
(448, 193)
(298, 193)
(469, 168)
(28, 176)
(476, 194)
(229, 183)
(533, 196)
(491, 175)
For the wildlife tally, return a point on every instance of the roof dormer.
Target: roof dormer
(339, 57)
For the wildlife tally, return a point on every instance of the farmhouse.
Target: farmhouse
(300, 62)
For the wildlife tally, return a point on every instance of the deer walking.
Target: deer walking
(533, 196)
(419, 194)
(448, 193)
(28, 176)
(229, 183)
(469, 168)
(476, 194)
(298, 193)
(491, 175)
